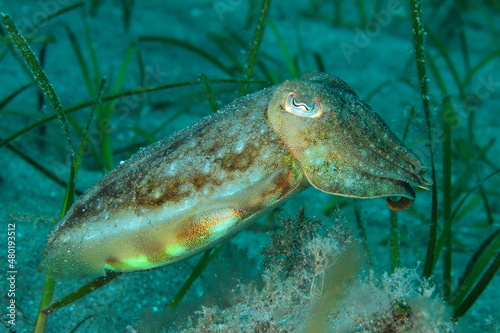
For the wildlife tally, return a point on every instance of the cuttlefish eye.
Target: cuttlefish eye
(302, 109)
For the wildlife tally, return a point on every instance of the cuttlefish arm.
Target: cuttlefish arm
(190, 191)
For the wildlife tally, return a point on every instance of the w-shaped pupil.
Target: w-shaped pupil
(298, 105)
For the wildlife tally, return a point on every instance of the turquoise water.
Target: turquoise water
(127, 46)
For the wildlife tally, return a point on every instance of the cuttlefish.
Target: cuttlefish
(190, 191)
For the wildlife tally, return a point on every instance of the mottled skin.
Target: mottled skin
(190, 191)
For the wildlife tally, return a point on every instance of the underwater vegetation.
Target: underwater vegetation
(75, 101)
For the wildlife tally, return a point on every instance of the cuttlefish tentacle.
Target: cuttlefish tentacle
(194, 189)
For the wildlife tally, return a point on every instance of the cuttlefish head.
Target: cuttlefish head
(343, 147)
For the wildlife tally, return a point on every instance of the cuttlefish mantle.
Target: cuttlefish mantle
(192, 190)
